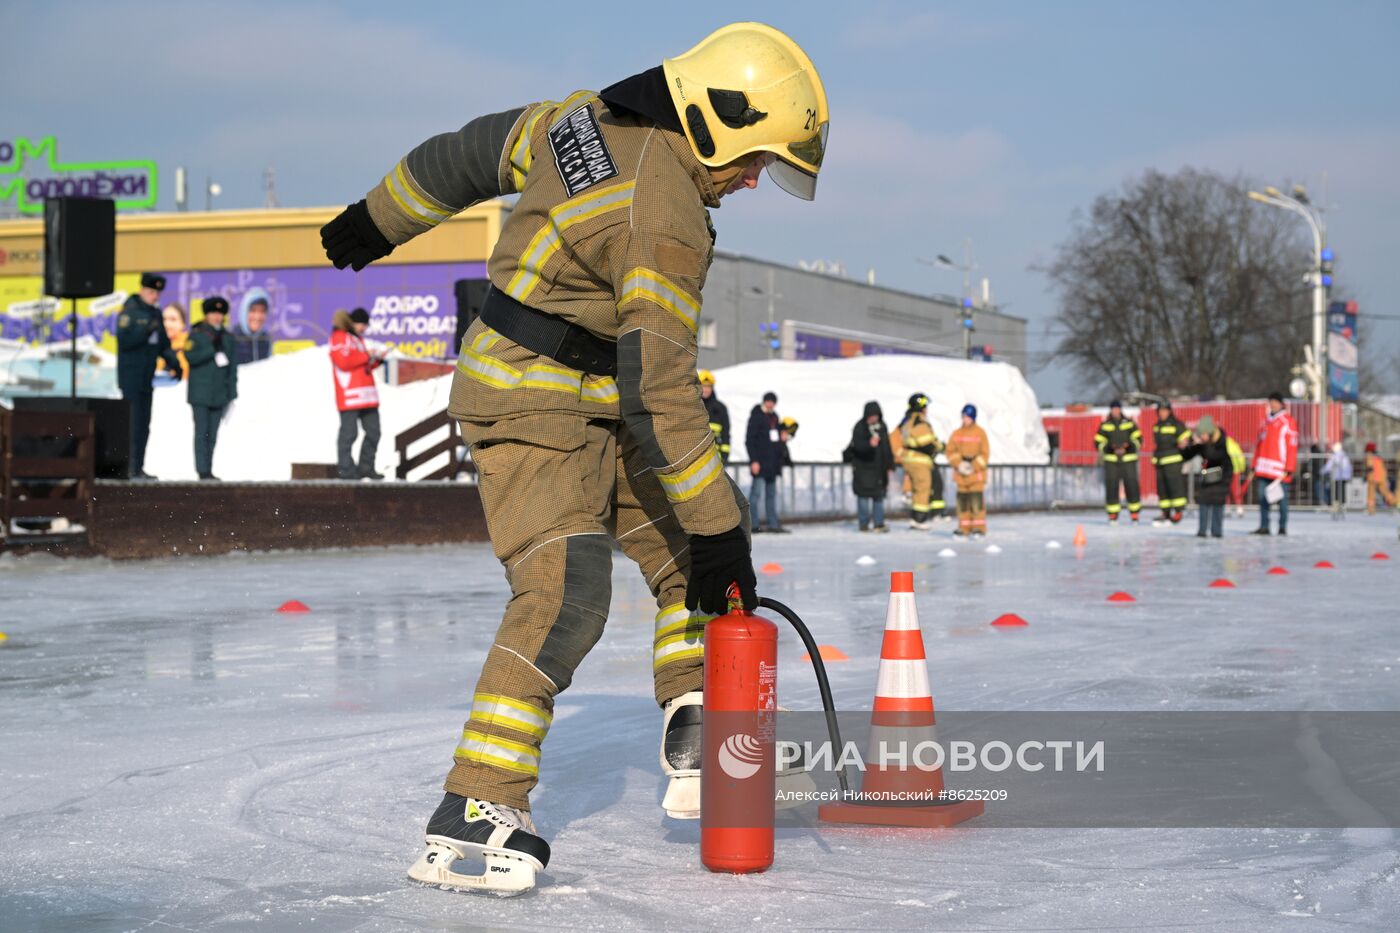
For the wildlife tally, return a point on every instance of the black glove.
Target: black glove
(351, 238)
(716, 562)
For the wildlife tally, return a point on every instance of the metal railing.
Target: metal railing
(1311, 489)
(823, 490)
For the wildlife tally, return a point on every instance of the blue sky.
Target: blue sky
(993, 121)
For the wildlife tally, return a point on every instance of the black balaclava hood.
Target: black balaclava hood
(645, 95)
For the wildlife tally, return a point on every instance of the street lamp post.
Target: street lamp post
(966, 267)
(1300, 205)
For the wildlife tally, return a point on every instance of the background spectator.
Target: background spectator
(177, 332)
(1217, 472)
(872, 462)
(356, 395)
(765, 445)
(1275, 461)
(254, 340)
(1337, 470)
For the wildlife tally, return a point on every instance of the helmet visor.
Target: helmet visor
(796, 173)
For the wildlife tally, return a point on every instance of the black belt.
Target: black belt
(565, 343)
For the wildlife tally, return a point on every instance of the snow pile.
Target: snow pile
(285, 414)
(827, 398)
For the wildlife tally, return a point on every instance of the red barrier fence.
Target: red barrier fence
(1241, 419)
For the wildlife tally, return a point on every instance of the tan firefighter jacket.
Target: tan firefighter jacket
(611, 233)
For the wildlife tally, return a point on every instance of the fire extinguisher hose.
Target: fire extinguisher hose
(833, 727)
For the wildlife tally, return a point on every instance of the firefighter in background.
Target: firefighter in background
(718, 412)
(1239, 478)
(968, 455)
(1169, 435)
(1377, 482)
(919, 446)
(787, 430)
(1119, 439)
(577, 391)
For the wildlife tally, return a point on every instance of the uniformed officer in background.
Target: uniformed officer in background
(141, 340)
(213, 380)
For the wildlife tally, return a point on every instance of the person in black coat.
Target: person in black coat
(872, 462)
(1217, 472)
(141, 340)
(764, 441)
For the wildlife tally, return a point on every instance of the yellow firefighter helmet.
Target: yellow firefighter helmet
(706, 377)
(747, 88)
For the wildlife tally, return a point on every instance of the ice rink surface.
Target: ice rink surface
(175, 755)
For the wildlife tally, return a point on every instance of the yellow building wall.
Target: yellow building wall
(258, 239)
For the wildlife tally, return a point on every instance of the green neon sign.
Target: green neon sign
(131, 182)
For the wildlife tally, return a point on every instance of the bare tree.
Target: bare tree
(1178, 284)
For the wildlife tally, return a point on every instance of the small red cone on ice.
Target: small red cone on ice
(1221, 584)
(772, 569)
(1278, 572)
(1380, 555)
(828, 653)
(1009, 620)
(1079, 539)
(1121, 597)
(1324, 565)
(294, 605)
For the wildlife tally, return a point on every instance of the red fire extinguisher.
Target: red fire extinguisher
(737, 777)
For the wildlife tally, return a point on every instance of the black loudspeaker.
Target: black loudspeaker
(471, 295)
(112, 421)
(80, 247)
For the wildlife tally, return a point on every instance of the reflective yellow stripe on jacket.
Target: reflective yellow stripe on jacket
(474, 362)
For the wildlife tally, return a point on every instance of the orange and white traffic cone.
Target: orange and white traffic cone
(902, 718)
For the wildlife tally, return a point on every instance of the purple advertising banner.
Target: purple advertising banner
(412, 307)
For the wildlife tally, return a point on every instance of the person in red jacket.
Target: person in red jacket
(353, 365)
(1275, 458)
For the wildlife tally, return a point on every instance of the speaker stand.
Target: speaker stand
(73, 347)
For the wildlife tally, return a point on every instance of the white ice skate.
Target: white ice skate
(501, 839)
(682, 752)
(919, 526)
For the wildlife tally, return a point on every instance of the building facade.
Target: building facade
(753, 309)
(750, 304)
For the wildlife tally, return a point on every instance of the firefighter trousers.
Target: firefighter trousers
(972, 512)
(1124, 473)
(558, 489)
(1171, 487)
(921, 486)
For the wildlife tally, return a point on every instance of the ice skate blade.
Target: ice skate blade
(507, 874)
(682, 799)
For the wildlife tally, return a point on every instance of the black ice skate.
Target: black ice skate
(466, 829)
